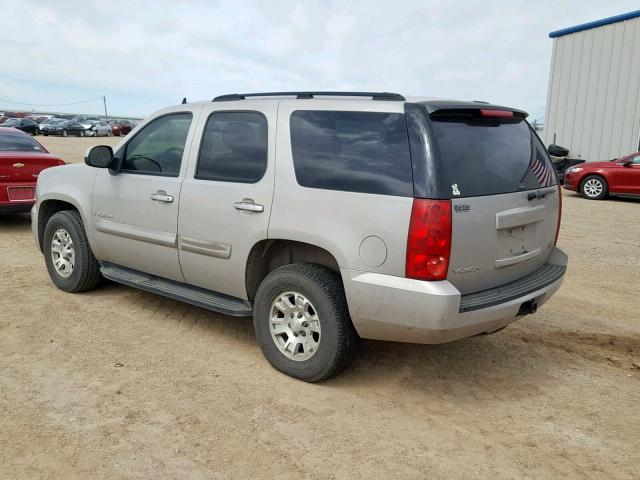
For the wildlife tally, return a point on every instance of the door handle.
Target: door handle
(249, 206)
(161, 196)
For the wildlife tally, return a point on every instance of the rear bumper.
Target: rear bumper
(14, 206)
(399, 309)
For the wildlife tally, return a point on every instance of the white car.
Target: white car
(101, 129)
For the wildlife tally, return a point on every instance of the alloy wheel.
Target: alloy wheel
(593, 187)
(294, 326)
(63, 253)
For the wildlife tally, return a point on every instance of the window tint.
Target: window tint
(489, 157)
(158, 147)
(365, 152)
(234, 148)
(19, 143)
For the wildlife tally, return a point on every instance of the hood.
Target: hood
(609, 164)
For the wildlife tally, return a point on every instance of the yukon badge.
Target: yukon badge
(463, 270)
(462, 208)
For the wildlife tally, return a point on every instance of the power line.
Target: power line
(50, 104)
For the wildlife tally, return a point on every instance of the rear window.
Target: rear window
(365, 152)
(489, 157)
(19, 143)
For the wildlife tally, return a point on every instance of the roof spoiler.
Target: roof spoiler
(474, 109)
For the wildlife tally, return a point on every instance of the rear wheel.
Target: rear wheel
(302, 322)
(594, 187)
(68, 256)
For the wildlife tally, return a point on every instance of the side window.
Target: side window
(157, 149)
(636, 160)
(366, 152)
(234, 148)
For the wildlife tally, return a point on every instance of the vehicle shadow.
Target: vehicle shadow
(462, 369)
(15, 222)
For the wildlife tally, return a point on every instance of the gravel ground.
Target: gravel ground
(118, 383)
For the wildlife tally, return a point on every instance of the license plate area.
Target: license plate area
(517, 241)
(21, 194)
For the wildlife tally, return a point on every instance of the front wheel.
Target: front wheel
(67, 254)
(594, 187)
(302, 322)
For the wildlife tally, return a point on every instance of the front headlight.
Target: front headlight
(574, 170)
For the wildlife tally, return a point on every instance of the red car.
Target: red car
(597, 180)
(22, 159)
(121, 128)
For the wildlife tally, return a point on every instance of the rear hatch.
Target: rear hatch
(503, 190)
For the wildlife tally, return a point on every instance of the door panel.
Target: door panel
(135, 213)
(221, 216)
(628, 178)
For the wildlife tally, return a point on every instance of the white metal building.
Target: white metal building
(593, 102)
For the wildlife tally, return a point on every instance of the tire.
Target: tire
(64, 133)
(81, 134)
(557, 151)
(594, 187)
(45, 134)
(108, 133)
(85, 273)
(330, 330)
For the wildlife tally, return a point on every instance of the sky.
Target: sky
(143, 56)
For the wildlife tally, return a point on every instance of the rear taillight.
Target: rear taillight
(555, 242)
(429, 240)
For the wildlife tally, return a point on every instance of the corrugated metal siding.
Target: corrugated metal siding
(593, 102)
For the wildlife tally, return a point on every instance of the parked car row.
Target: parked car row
(78, 126)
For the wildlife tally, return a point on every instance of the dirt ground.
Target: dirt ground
(118, 383)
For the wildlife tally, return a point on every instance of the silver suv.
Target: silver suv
(328, 216)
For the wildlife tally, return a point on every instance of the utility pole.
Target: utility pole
(104, 100)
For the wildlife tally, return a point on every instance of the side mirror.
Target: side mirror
(628, 162)
(100, 156)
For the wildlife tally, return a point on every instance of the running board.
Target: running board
(200, 297)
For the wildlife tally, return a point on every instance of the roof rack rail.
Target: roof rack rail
(307, 95)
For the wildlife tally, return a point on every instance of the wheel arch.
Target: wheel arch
(48, 208)
(270, 254)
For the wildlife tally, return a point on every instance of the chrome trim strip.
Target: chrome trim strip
(156, 237)
(505, 262)
(211, 249)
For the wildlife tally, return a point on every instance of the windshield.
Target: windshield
(11, 121)
(489, 156)
(19, 143)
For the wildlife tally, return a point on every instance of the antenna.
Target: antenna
(184, 100)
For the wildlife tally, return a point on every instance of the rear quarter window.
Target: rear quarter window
(365, 152)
